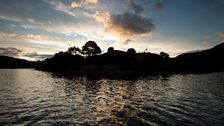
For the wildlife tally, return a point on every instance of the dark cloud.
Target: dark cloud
(129, 24)
(159, 5)
(136, 7)
(10, 51)
(37, 56)
(127, 41)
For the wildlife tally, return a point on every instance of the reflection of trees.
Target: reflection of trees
(92, 86)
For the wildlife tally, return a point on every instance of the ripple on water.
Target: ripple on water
(30, 97)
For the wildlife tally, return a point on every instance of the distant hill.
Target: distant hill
(10, 62)
(206, 60)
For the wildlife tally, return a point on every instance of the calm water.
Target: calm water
(30, 97)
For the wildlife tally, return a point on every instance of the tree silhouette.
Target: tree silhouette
(110, 49)
(115, 60)
(165, 55)
(131, 51)
(91, 48)
(74, 50)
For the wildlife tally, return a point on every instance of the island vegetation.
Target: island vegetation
(89, 60)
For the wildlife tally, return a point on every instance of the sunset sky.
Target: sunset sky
(36, 29)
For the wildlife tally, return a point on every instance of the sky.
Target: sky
(36, 29)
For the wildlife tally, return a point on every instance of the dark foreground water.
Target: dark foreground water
(30, 97)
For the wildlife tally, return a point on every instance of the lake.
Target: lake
(31, 97)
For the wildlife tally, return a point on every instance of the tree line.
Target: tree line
(91, 48)
(89, 58)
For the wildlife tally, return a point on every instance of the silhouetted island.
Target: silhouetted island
(89, 60)
(10, 62)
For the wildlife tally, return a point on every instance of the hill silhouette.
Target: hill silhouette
(118, 62)
(202, 61)
(90, 61)
(10, 62)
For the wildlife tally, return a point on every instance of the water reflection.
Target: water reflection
(30, 97)
(104, 101)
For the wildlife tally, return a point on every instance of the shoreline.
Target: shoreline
(123, 73)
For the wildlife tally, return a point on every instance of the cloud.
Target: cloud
(126, 23)
(45, 17)
(221, 35)
(129, 24)
(10, 18)
(67, 19)
(127, 41)
(60, 6)
(51, 16)
(37, 56)
(35, 42)
(75, 4)
(37, 39)
(10, 51)
(101, 17)
(20, 53)
(134, 6)
(87, 4)
(89, 1)
(159, 5)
